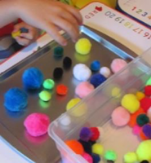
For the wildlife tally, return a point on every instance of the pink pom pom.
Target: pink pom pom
(118, 64)
(136, 130)
(120, 116)
(84, 89)
(37, 124)
(87, 157)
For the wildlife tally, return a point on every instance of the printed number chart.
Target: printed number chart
(139, 9)
(104, 19)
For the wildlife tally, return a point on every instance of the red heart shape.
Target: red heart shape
(99, 8)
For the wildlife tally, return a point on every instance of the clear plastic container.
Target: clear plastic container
(96, 109)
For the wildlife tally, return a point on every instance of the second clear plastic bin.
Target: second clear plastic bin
(96, 109)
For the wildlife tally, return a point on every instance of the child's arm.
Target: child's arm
(44, 14)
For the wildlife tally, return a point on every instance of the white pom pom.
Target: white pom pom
(105, 71)
(81, 72)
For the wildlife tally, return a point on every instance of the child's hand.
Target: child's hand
(50, 16)
(26, 38)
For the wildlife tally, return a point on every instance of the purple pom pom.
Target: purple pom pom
(147, 130)
(85, 134)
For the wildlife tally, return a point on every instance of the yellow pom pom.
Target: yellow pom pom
(116, 92)
(130, 102)
(140, 95)
(83, 46)
(144, 151)
(130, 157)
(16, 34)
(72, 103)
(97, 149)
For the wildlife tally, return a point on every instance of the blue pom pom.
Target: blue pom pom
(96, 158)
(85, 134)
(15, 100)
(32, 78)
(97, 80)
(95, 66)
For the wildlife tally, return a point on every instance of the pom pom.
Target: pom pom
(32, 78)
(130, 102)
(67, 62)
(24, 30)
(147, 130)
(145, 103)
(118, 64)
(62, 90)
(97, 80)
(143, 151)
(83, 46)
(48, 84)
(136, 130)
(84, 89)
(96, 158)
(58, 73)
(142, 119)
(15, 100)
(142, 136)
(87, 157)
(87, 146)
(95, 133)
(75, 146)
(140, 95)
(105, 71)
(85, 134)
(134, 116)
(58, 51)
(120, 116)
(148, 81)
(95, 66)
(72, 103)
(45, 96)
(110, 155)
(148, 90)
(144, 161)
(130, 157)
(81, 72)
(37, 124)
(16, 34)
(97, 149)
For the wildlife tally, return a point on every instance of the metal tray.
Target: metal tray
(43, 149)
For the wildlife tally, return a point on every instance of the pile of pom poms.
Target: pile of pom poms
(89, 146)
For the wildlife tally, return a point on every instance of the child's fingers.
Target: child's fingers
(23, 41)
(28, 36)
(69, 28)
(75, 13)
(53, 31)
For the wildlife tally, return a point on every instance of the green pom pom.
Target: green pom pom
(142, 119)
(45, 96)
(48, 84)
(148, 81)
(130, 157)
(110, 155)
(58, 51)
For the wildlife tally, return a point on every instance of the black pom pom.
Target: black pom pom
(87, 146)
(67, 62)
(92, 142)
(58, 73)
(144, 161)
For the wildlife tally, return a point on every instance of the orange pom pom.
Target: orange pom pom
(134, 116)
(75, 146)
(142, 136)
(62, 90)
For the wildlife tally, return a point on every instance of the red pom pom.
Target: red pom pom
(145, 103)
(95, 133)
(62, 90)
(148, 90)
